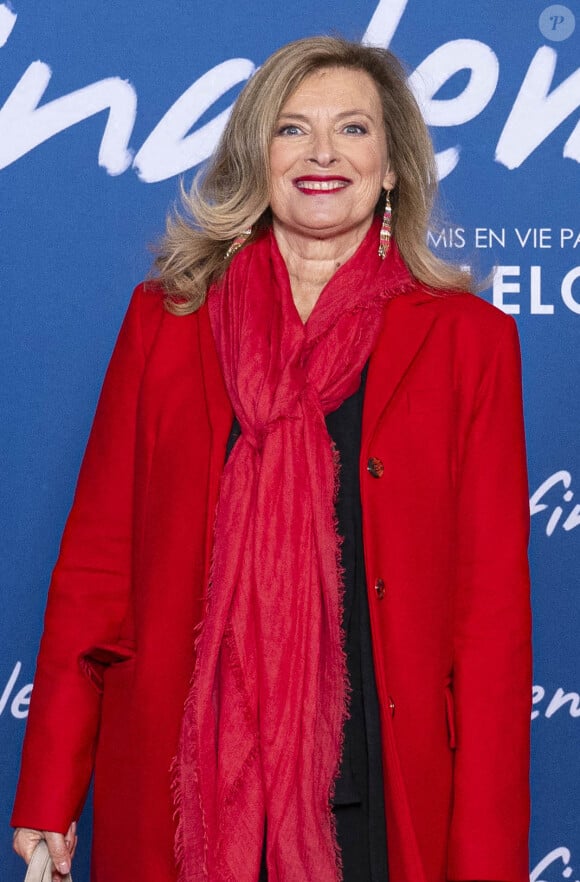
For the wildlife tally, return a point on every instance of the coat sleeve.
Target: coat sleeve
(492, 624)
(87, 602)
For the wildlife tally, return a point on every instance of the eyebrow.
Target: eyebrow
(345, 113)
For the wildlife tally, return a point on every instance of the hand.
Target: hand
(61, 848)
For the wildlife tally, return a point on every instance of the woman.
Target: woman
(333, 353)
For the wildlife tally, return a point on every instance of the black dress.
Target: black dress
(358, 801)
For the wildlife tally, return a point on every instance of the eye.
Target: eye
(355, 129)
(289, 129)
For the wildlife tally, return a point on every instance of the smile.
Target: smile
(321, 185)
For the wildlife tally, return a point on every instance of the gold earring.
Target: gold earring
(238, 242)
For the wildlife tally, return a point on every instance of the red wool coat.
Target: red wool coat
(445, 536)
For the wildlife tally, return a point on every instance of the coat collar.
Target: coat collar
(407, 323)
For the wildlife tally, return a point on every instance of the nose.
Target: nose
(322, 150)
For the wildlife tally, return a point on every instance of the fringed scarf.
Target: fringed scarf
(262, 730)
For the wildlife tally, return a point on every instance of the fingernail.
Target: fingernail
(63, 867)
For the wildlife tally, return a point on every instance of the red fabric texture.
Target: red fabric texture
(262, 730)
(445, 528)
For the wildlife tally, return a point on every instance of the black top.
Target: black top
(358, 801)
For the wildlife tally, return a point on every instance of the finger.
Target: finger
(71, 838)
(58, 852)
(71, 844)
(25, 841)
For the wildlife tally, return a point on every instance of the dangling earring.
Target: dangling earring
(238, 242)
(385, 234)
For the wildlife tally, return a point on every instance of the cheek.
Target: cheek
(276, 176)
(274, 163)
(279, 198)
(277, 184)
(281, 158)
(372, 165)
(372, 179)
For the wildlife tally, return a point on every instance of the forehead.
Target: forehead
(337, 88)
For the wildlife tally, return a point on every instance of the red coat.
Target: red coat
(445, 529)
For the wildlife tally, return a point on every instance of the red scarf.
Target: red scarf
(262, 729)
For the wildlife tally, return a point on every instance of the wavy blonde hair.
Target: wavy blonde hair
(232, 193)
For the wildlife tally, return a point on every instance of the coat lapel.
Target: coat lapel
(220, 416)
(407, 323)
(219, 409)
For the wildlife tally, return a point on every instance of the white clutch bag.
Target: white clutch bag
(39, 868)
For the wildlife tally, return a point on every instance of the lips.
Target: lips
(310, 184)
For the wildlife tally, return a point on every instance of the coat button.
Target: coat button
(380, 588)
(375, 467)
(391, 706)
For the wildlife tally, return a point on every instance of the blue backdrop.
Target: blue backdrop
(103, 105)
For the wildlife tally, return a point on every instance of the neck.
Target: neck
(312, 262)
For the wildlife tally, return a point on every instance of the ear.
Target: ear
(389, 180)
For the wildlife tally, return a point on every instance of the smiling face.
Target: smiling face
(328, 157)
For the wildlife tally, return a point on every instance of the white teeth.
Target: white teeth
(321, 185)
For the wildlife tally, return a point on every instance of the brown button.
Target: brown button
(380, 588)
(375, 467)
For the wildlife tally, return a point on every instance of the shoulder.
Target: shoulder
(467, 317)
(458, 306)
(458, 330)
(469, 307)
(152, 321)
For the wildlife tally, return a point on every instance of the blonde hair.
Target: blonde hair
(232, 194)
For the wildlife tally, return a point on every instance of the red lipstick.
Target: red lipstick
(312, 185)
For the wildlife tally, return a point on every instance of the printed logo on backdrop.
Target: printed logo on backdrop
(172, 148)
(558, 862)
(550, 703)
(554, 499)
(517, 288)
(14, 695)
